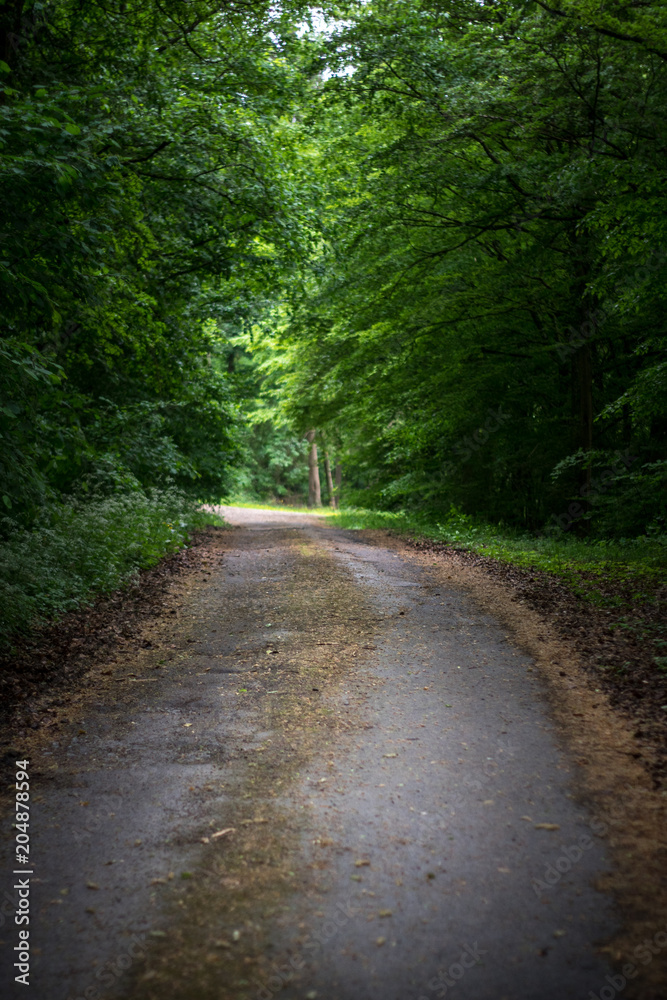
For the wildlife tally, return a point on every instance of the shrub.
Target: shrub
(85, 547)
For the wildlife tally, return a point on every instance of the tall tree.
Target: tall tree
(491, 173)
(314, 492)
(146, 206)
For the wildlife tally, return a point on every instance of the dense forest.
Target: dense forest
(429, 238)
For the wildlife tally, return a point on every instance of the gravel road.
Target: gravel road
(326, 775)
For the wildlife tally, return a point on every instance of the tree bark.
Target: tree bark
(330, 486)
(582, 409)
(10, 31)
(314, 494)
(585, 373)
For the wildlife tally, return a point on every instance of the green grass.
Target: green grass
(87, 547)
(272, 505)
(640, 562)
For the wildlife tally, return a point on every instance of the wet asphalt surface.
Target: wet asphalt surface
(449, 854)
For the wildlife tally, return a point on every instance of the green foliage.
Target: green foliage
(145, 203)
(489, 294)
(152, 203)
(275, 465)
(576, 561)
(82, 548)
(435, 234)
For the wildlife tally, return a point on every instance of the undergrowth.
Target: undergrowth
(578, 562)
(240, 500)
(85, 547)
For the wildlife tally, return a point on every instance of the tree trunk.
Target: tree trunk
(330, 486)
(585, 372)
(338, 480)
(10, 32)
(582, 409)
(314, 495)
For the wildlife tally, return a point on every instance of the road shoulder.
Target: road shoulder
(612, 778)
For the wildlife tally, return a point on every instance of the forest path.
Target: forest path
(330, 776)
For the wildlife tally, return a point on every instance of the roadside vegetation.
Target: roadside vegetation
(82, 549)
(565, 556)
(404, 257)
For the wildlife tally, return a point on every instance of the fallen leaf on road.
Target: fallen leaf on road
(221, 833)
(385, 913)
(360, 862)
(547, 826)
(380, 941)
(390, 755)
(92, 885)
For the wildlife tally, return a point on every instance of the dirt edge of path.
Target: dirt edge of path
(50, 673)
(611, 778)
